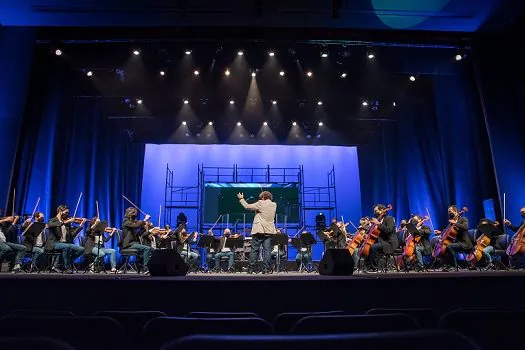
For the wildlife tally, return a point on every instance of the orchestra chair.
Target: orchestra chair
(40, 343)
(128, 257)
(132, 321)
(340, 324)
(426, 318)
(492, 329)
(40, 313)
(163, 329)
(500, 252)
(83, 333)
(284, 322)
(409, 340)
(205, 314)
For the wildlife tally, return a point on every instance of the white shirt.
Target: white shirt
(2, 237)
(64, 233)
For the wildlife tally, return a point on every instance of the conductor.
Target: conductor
(263, 228)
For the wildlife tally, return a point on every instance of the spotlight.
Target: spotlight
(163, 73)
(210, 123)
(227, 72)
(294, 123)
(188, 52)
(343, 75)
(365, 103)
(240, 53)
(265, 123)
(186, 102)
(136, 52)
(239, 123)
(232, 102)
(89, 73)
(271, 53)
(195, 72)
(459, 57)
(309, 74)
(319, 103)
(274, 102)
(184, 123)
(139, 101)
(324, 54)
(58, 52)
(371, 56)
(320, 124)
(253, 74)
(394, 103)
(412, 78)
(281, 73)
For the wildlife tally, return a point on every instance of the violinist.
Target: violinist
(336, 235)
(34, 244)
(388, 241)
(462, 242)
(133, 232)
(423, 247)
(514, 259)
(95, 243)
(222, 251)
(8, 239)
(165, 237)
(61, 237)
(184, 242)
(304, 256)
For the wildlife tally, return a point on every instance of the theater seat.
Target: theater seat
(414, 340)
(332, 324)
(426, 318)
(39, 343)
(40, 313)
(132, 321)
(163, 329)
(284, 322)
(200, 314)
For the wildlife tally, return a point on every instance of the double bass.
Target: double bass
(359, 236)
(373, 234)
(411, 241)
(447, 236)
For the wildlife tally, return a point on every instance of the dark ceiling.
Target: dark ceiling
(424, 15)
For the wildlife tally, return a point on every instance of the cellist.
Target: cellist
(515, 258)
(422, 247)
(490, 229)
(388, 241)
(462, 243)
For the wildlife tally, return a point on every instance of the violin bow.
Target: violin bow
(98, 216)
(133, 204)
(504, 212)
(299, 231)
(78, 203)
(430, 219)
(32, 216)
(160, 213)
(351, 223)
(14, 200)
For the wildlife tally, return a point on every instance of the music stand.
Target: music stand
(100, 227)
(279, 240)
(34, 230)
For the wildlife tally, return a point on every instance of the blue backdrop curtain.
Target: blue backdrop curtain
(434, 154)
(69, 146)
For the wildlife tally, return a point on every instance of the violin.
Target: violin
(110, 229)
(517, 244)
(373, 234)
(79, 220)
(411, 241)
(447, 236)
(359, 236)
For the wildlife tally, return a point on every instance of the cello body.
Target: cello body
(370, 238)
(447, 236)
(356, 241)
(517, 244)
(481, 243)
(410, 246)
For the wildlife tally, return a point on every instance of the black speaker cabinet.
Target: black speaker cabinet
(167, 262)
(336, 262)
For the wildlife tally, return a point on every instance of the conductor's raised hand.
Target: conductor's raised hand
(240, 195)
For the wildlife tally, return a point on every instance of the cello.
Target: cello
(359, 235)
(481, 243)
(411, 241)
(373, 234)
(447, 236)
(517, 244)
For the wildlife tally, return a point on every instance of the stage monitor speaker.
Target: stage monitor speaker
(336, 262)
(167, 262)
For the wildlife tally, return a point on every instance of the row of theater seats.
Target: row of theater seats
(378, 328)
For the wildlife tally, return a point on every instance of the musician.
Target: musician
(388, 241)
(515, 258)
(304, 255)
(133, 231)
(166, 239)
(8, 242)
(336, 235)
(364, 224)
(34, 244)
(224, 251)
(262, 229)
(184, 243)
(493, 234)
(462, 243)
(61, 237)
(423, 247)
(95, 244)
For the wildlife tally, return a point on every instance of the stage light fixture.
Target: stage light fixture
(186, 102)
(162, 73)
(139, 101)
(394, 103)
(89, 73)
(239, 123)
(364, 103)
(318, 136)
(324, 54)
(196, 72)
(294, 123)
(136, 52)
(343, 75)
(271, 53)
(265, 123)
(320, 124)
(232, 102)
(58, 52)
(274, 102)
(184, 123)
(281, 73)
(188, 52)
(319, 103)
(240, 53)
(371, 56)
(253, 74)
(227, 72)
(309, 74)
(412, 78)
(459, 57)
(210, 123)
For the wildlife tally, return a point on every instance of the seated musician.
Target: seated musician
(152, 233)
(387, 242)
(422, 247)
(364, 226)
(95, 244)
(184, 243)
(8, 243)
(514, 259)
(336, 235)
(133, 232)
(34, 244)
(61, 237)
(493, 235)
(223, 250)
(462, 243)
(166, 238)
(304, 256)
(276, 250)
